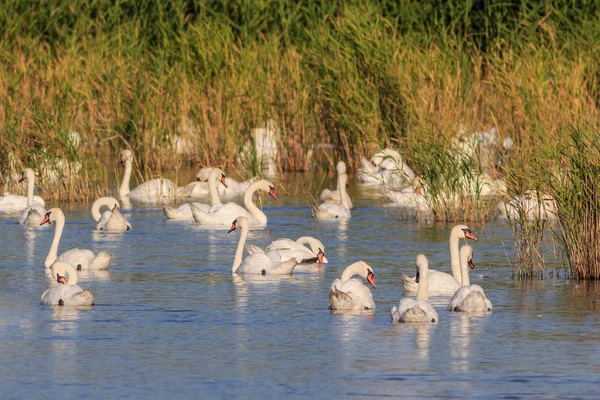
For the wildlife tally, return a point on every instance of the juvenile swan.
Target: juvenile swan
(349, 293)
(111, 220)
(419, 310)
(286, 249)
(67, 292)
(441, 282)
(78, 258)
(469, 297)
(257, 263)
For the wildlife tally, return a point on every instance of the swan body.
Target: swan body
(66, 292)
(330, 210)
(385, 168)
(78, 258)
(200, 189)
(419, 310)
(333, 196)
(221, 215)
(184, 211)
(441, 282)
(111, 220)
(469, 298)
(530, 207)
(159, 190)
(256, 263)
(350, 293)
(407, 198)
(286, 249)
(33, 214)
(16, 204)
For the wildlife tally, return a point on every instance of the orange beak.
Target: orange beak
(320, 256)
(371, 279)
(373, 164)
(272, 193)
(469, 235)
(223, 180)
(46, 219)
(232, 227)
(61, 279)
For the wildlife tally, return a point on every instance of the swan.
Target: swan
(257, 263)
(159, 190)
(15, 204)
(112, 220)
(184, 212)
(200, 188)
(530, 207)
(469, 297)
(441, 282)
(419, 310)
(222, 214)
(66, 292)
(333, 196)
(286, 249)
(386, 167)
(33, 214)
(341, 210)
(78, 258)
(349, 293)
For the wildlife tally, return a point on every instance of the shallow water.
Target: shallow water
(170, 319)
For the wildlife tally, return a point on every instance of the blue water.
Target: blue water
(171, 320)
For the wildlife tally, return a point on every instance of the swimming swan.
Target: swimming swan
(221, 215)
(78, 258)
(33, 214)
(257, 263)
(67, 292)
(419, 310)
(14, 203)
(469, 297)
(328, 210)
(441, 282)
(349, 293)
(333, 196)
(184, 212)
(111, 220)
(159, 190)
(286, 249)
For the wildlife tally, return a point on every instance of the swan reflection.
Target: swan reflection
(462, 328)
(30, 236)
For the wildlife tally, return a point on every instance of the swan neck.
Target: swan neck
(423, 288)
(212, 186)
(239, 252)
(454, 260)
(30, 188)
(96, 208)
(124, 189)
(351, 270)
(53, 253)
(310, 241)
(343, 196)
(464, 268)
(249, 203)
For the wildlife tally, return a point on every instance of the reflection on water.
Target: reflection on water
(170, 318)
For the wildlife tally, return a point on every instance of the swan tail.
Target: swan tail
(101, 260)
(395, 314)
(415, 314)
(252, 249)
(339, 300)
(288, 266)
(169, 212)
(85, 298)
(409, 283)
(475, 301)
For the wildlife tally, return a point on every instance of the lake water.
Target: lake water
(171, 320)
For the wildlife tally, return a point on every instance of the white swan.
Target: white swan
(441, 282)
(66, 292)
(530, 207)
(333, 196)
(469, 297)
(33, 214)
(14, 203)
(222, 214)
(78, 258)
(257, 263)
(184, 212)
(327, 211)
(159, 190)
(111, 220)
(385, 168)
(419, 310)
(286, 249)
(200, 189)
(349, 293)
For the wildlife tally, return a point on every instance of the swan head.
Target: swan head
(462, 232)
(267, 187)
(366, 271)
(27, 174)
(63, 273)
(341, 167)
(202, 176)
(239, 222)
(421, 262)
(218, 175)
(126, 156)
(466, 255)
(320, 256)
(51, 216)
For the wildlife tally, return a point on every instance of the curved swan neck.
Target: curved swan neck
(213, 178)
(30, 186)
(358, 268)
(101, 202)
(314, 244)
(64, 269)
(249, 203)
(342, 180)
(423, 288)
(464, 266)
(124, 189)
(454, 261)
(59, 220)
(239, 252)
